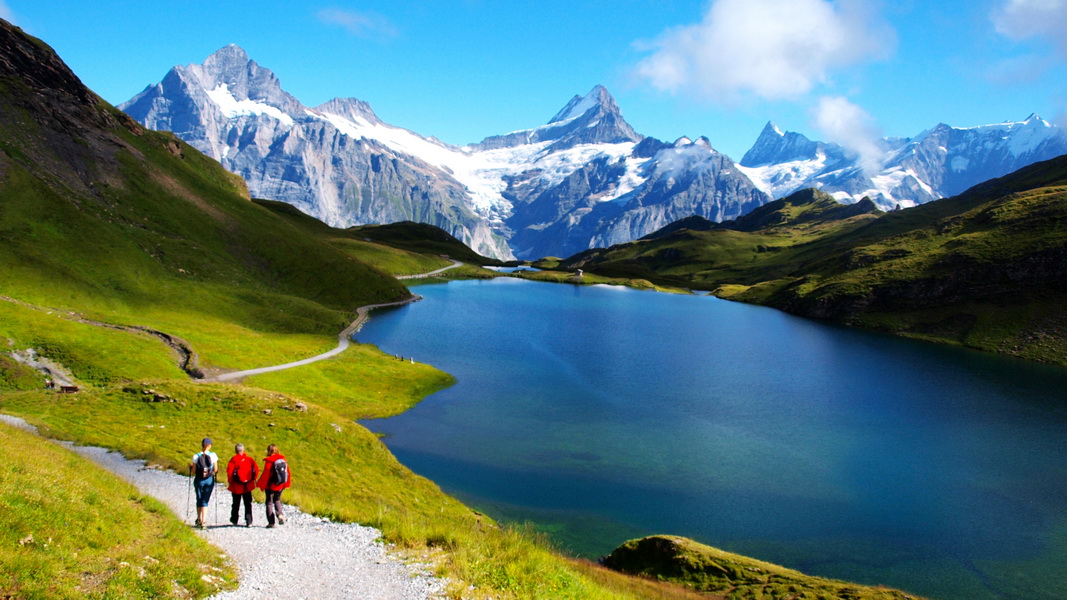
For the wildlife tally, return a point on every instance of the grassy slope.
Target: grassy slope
(405, 248)
(69, 529)
(984, 269)
(707, 569)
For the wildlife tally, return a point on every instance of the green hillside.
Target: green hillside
(404, 248)
(986, 269)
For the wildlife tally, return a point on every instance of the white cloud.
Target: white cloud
(845, 123)
(770, 49)
(357, 23)
(1024, 19)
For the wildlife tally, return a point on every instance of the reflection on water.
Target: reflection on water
(602, 414)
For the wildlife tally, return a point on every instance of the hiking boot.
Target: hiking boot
(281, 520)
(270, 525)
(198, 523)
(248, 523)
(233, 522)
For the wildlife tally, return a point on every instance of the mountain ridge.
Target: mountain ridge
(497, 195)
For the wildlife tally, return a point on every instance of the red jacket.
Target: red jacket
(268, 470)
(241, 473)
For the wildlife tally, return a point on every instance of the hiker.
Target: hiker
(241, 473)
(274, 479)
(203, 468)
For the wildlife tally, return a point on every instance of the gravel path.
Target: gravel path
(307, 557)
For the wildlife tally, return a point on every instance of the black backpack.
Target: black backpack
(280, 472)
(204, 466)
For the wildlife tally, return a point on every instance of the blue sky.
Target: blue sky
(841, 70)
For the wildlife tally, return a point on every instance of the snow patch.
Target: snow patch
(232, 107)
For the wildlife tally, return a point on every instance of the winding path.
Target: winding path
(455, 263)
(188, 360)
(343, 342)
(343, 338)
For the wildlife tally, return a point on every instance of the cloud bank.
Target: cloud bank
(848, 125)
(768, 49)
(366, 25)
(1023, 19)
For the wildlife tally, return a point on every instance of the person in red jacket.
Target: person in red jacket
(275, 478)
(241, 472)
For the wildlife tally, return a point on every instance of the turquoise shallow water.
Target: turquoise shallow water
(605, 413)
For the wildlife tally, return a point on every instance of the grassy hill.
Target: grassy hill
(706, 569)
(986, 269)
(404, 248)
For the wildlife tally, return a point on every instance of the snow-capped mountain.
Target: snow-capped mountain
(937, 163)
(338, 162)
(585, 178)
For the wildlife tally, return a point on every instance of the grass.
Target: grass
(70, 529)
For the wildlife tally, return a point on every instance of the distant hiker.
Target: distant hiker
(203, 468)
(275, 478)
(241, 473)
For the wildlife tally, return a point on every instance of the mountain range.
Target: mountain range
(938, 163)
(585, 179)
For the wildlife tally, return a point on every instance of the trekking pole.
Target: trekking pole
(188, 492)
(216, 494)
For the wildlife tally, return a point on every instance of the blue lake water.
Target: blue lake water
(602, 414)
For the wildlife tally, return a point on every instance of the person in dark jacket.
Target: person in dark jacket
(241, 473)
(276, 477)
(203, 468)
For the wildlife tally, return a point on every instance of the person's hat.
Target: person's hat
(206, 442)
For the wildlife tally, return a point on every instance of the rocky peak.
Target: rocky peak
(598, 98)
(349, 108)
(594, 118)
(773, 146)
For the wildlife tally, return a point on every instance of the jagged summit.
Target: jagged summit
(597, 98)
(594, 118)
(774, 146)
(230, 54)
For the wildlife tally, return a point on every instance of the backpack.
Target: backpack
(204, 466)
(237, 474)
(279, 473)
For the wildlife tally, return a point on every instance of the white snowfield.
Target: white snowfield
(232, 107)
(305, 558)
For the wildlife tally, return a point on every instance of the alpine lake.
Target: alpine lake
(602, 414)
